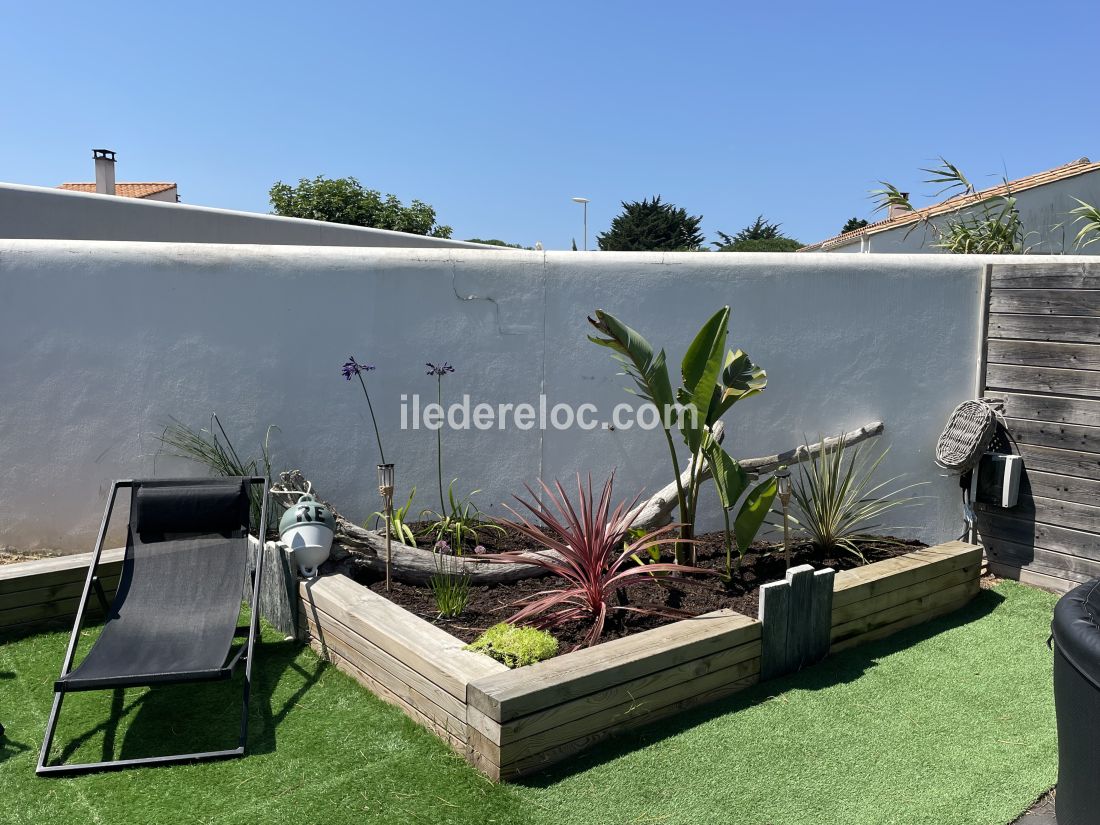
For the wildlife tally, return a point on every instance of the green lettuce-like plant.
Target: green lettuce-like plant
(399, 522)
(713, 379)
(515, 645)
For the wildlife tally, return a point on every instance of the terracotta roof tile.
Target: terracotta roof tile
(1078, 167)
(125, 190)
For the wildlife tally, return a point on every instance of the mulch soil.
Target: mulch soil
(490, 604)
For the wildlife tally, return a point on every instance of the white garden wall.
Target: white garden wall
(103, 342)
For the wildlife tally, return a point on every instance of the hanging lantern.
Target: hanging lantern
(307, 528)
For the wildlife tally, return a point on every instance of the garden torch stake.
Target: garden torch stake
(385, 488)
(783, 483)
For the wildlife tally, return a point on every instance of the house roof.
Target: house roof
(1078, 167)
(126, 190)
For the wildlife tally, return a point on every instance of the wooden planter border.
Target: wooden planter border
(511, 722)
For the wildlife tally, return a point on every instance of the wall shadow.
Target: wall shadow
(842, 668)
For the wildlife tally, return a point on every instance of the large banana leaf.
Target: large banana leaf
(752, 512)
(634, 352)
(700, 370)
(730, 479)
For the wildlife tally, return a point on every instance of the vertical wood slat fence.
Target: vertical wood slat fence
(1041, 354)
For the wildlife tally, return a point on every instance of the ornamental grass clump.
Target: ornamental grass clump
(515, 646)
(592, 551)
(450, 585)
(838, 502)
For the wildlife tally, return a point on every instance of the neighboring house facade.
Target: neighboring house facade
(109, 211)
(105, 182)
(166, 192)
(1044, 201)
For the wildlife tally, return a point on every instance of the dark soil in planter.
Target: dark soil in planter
(763, 563)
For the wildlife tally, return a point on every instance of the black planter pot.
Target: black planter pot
(1076, 632)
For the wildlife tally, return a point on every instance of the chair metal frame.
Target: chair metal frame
(245, 653)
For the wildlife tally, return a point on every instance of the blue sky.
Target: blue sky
(498, 113)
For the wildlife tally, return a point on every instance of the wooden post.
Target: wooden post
(279, 589)
(796, 614)
(774, 614)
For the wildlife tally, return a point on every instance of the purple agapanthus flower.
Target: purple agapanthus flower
(352, 367)
(439, 370)
(442, 547)
(480, 550)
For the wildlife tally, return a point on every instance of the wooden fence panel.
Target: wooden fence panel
(1042, 357)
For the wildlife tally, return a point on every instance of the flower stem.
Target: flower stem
(439, 444)
(370, 407)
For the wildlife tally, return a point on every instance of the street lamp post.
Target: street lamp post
(584, 202)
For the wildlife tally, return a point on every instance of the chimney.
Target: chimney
(897, 209)
(104, 171)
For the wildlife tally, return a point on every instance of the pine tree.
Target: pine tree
(650, 225)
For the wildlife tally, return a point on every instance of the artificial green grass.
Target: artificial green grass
(948, 723)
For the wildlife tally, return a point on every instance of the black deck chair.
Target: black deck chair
(174, 615)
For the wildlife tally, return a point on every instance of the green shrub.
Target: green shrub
(515, 646)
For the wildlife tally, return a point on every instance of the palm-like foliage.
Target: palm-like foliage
(978, 225)
(713, 379)
(839, 502)
(1089, 215)
(592, 547)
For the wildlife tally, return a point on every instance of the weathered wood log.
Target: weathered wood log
(409, 565)
(657, 510)
(416, 565)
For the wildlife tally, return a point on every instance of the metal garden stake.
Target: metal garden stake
(783, 483)
(385, 489)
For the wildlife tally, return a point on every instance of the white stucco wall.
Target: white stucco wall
(43, 212)
(103, 342)
(1044, 211)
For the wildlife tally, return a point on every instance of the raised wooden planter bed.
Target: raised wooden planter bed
(48, 590)
(511, 722)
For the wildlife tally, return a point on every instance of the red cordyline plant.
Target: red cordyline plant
(591, 552)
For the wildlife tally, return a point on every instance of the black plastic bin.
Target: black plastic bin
(1076, 631)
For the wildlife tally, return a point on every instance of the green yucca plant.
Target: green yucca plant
(837, 500)
(450, 588)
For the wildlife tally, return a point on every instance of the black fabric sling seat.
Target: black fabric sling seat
(175, 612)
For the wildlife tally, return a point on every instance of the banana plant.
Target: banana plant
(713, 379)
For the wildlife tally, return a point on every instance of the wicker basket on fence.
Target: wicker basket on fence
(971, 427)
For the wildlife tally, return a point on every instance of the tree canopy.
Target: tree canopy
(495, 242)
(345, 200)
(650, 225)
(758, 236)
(853, 224)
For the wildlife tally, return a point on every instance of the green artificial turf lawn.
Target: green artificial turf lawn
(949, 723)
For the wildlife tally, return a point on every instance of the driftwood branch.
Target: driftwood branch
(658, 509)
(410, 565)
(416, 565)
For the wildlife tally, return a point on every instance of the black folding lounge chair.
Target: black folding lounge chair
(174, 615)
